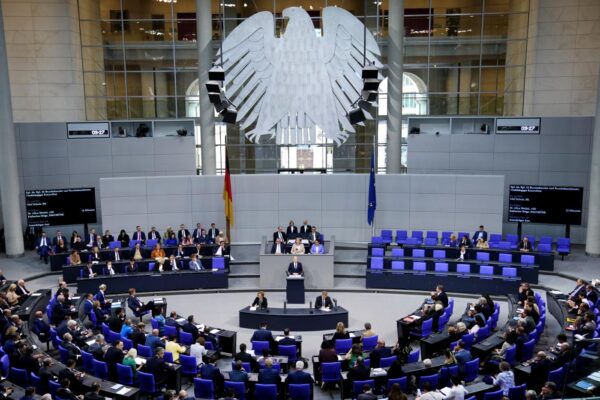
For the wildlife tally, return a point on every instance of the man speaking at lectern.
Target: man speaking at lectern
(295, 267)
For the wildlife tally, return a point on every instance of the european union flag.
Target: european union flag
(372, 192)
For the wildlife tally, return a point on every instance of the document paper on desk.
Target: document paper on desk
(253, 308)
(214, 331)
(115, 387)
(123, 391)
(36, 294)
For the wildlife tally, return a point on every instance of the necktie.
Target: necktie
(295, 266)
(116, 256)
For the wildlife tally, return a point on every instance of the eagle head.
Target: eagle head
(292, 12)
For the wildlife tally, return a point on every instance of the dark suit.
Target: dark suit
(23, 292)
(262, 335)
(66, 394)
(45, 375)
(41, 329)
(442, 297)
(154, 236)
(58, 239)
(279, 235)
(138, 337)
(327, 303)
(377, 354)
(93, 396)
(312, 237)
(91, 239)
(191, 328)
(295, 270)
(209, 371)
(359, 373)
(42, 244)
(115, 256)
(287, 341)
(224, 251)
(281, 248)
(112, 357)
(212, 234)
(106, 239)
(181, 234)
(523, 245)
(292, 231)
(245, 357)
(141, 236)
(268, 376)
(305, 230)
(59, 312)
(298, 377)
(157, 367)
(592, 298)
(260, 304)
(478, 234)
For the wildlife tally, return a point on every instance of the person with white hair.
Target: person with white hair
(299, 376)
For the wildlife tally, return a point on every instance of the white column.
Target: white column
(395, 70)
(592, 240)
(205, 59)
(9, 171)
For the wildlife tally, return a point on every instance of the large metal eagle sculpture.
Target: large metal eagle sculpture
(288, 86)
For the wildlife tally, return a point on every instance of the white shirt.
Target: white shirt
(278, 248)
(111, 271)
(456, 393)
(219, 251)
(195, 266)
(197, 350)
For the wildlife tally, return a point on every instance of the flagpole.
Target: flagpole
(375, 158)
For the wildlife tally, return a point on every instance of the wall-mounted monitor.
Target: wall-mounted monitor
(86, 130)
(545, 204)
(520, 126)
(51, 207)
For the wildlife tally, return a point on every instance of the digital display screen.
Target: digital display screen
(60, 206)
(81, 130)
(545, 204)
(523, 126)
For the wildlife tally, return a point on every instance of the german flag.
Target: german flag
(227, 194)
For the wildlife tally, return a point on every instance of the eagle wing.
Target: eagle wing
(341, 50)
(247, 61)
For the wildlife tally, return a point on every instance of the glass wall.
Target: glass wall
(462, 57)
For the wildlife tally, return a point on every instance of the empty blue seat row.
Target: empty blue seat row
(377, 264)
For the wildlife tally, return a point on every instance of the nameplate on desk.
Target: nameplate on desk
(352, 335)
(200, 327)
(214, 331)
(295, 276)
(326, 309)
(253, 308)
(123, 391)
(116, 387)
(35, 294)
(158, 300)
(75, 298)
(180, 320)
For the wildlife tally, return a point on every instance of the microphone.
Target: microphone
(310, 304)
(335, 304)
(284, 306)
(310, 310)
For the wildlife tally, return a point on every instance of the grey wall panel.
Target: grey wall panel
(174, 145)
(569, 144)
(129, 145)
(44, 166)
(89, 147)
(122, 187)
(517, 162)
(170, 162)
(430, 143)
(470, 221)
(128, 222)
(516, 144)
(45, 182)
(340, 208)
(565, 163)
(46, 131)
(90, 165)
(124, 205)
(432, 161)
(44, 149)
(169, 185)
(133, 163)
(489, 204)
(471, 162)
(167, 203)
(85, 180)
(471, 143)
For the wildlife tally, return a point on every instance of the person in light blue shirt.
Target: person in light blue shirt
(154, 341)
(317, 248)
(126, 329)
(505, 379)
(160, 320)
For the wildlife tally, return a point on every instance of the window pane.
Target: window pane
(149, 58)
(455, 53)
(456, 26)
(453, 79)
(144, 9)
(148, 31)
(456, 6)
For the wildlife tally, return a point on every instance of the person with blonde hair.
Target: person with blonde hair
(129, 360)
(11, 295)
(340, 332)
(298, 247)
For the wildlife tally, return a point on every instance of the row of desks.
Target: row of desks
(544, 260)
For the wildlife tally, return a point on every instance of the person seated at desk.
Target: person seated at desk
(262, 334)
(154, 235)
(115, 255)
(297, 247)
(268, 375)
(299, 376)
(295, 267)
(213, 232)
(453, 242)
(202, 238)
(440, 295)
(132, 267)
(260, 301)
(136, 305)
(154, 341)
(479, 323)
(171, 240)
(64, 391)
(305, 229)
(245, 357)
(197, 350)
(113, 356)
(323, 301)
(524, 292)
(74, 258)
(157, 366)
(182, 233)
(59, 310)
(187, 241)
(482, 244)
(221, 250)
(107, 238)
(464, 241)
(525, 245)
(72, 348)
(59, 236)
(368, 332)
(287, 339)
(90, 239)
(194, 265)
(175, 348)
(462, 356)
(238, 374)
(41, 327)
(60, 247)
(505, 379)
(11, 295)
(579, 287)
(158, 253)
(367, 393)
(88, 271)
(95, 255)
(211, 372)
(358, 371)
(190, 327)
(279, 234)
(340, 332)
(110, 271)
(586, 326)
(380, 351)
(591, 295)
(139, 235)
(327, 353)
(196, 235)
(123, 238)
(317, 248)
(278, 247)
(540, 367)
(481, 234)
(126, 329)
(172, 264)
(138, 336)
(137, 252)
(292, 230)
(313, 235)
(354, 354)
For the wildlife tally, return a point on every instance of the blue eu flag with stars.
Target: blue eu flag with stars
(372, 192)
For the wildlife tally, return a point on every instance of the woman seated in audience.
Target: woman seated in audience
(158, 253)
(123, 238)
(465, 241)
(462, 254)
(74, 258)
(490, 303)
(396, 393)
(449, 358)
(61, 247)
(479, 323)
(171, 240)
(74, 234)
(100, 242)
(198, 350)
(298, 247)
(453, 241)
(482, 244)
(457, 331)
(340, 332)
(353, 354)
(510, 338)
(95, 255)
(98, 312)
(11, 295)
(88, 271)
(137, 252)
(168, 233)
(129, 360)
(187, 240)
(180, 252)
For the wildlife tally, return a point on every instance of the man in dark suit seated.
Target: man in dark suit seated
(64, 392)
(59, 310)
(540, 366)
(238, 374)
(262, 334)
(94, 394)
(157, 366)
(113, 356)
(46, 375)
(136, 305)
(138, 336)
(299, 376)
(358, 373)
(295, 267)
(292, 231)
(287, 339)
(305, 229)
(59, 236)
(73, 349)
(107, 238)
(480, 234)
(591, 296)
(97, 348)
(115, 322)
(41, 327)
(278, 247)
(379, 352)
(139, 235)
(115, 255)
(22, 290)
(91, 239)
(182, 233)
(440, 295)
(279, 234)
(313, 235)
(154, 235)
(211, 372)
(222, 250)
(268, 375)
(42, 245)
(73, 376)
(213, 232)
(323, 300)
(525, 245)
(245, 357)
(190, 327)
